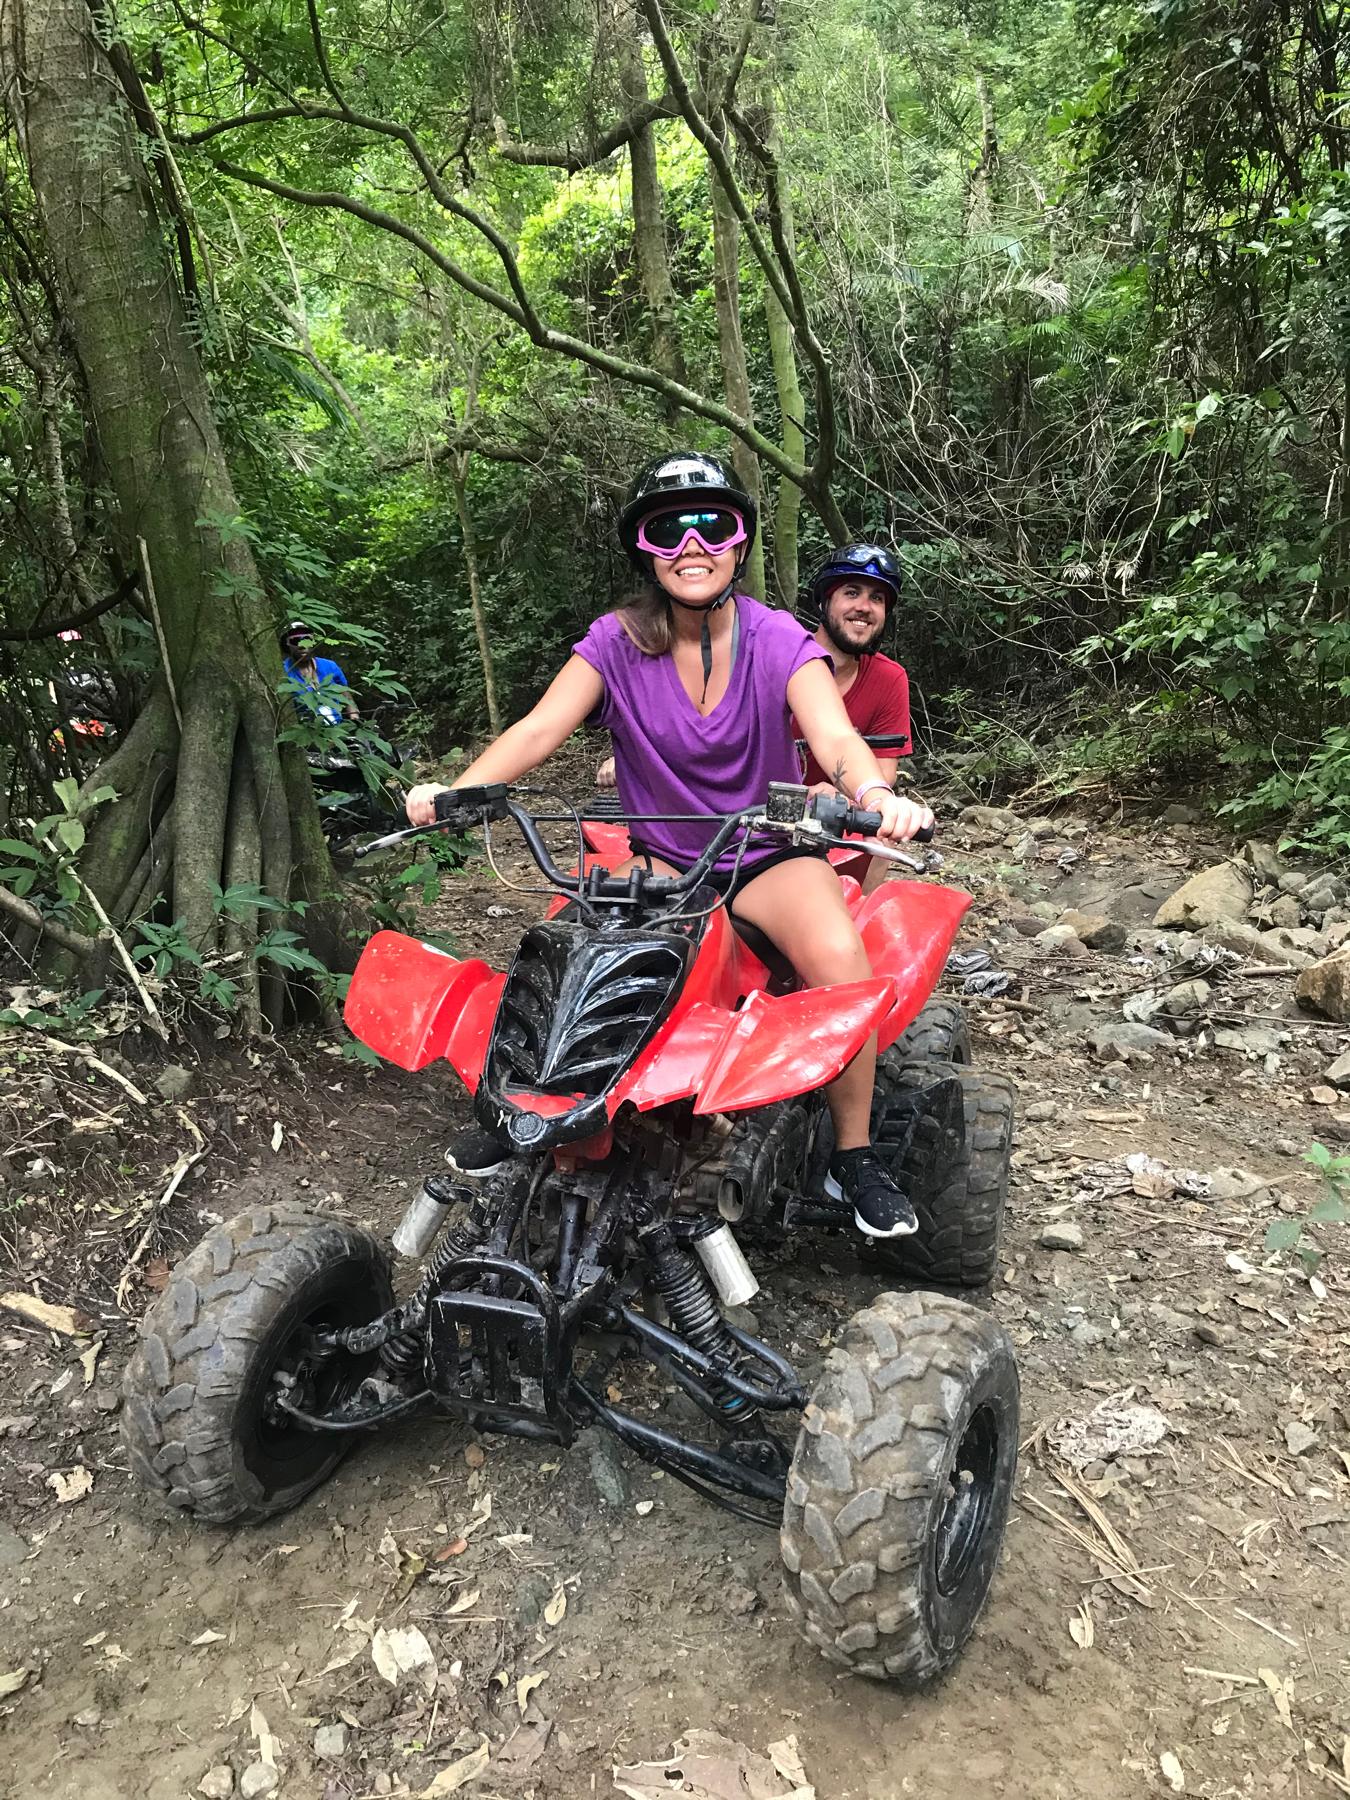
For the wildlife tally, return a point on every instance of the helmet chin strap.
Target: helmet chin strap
(707, 607)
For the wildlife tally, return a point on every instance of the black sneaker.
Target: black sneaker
(880, 1210)
(475, 1155)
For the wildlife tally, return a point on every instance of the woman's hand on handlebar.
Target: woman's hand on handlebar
(901, 819)
(421, 802)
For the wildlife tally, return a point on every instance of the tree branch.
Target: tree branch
(595, 150)
(780, 269)
(72, 621)
(560, 342)
(74, 941)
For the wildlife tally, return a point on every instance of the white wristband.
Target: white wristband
(867, 787)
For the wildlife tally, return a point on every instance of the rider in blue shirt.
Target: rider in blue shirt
(316, 675)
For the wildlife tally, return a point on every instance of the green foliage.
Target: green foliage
(43, 869)
(1289, 1234)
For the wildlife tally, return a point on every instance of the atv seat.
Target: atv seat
(782, 976)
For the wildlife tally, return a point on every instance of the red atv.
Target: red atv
(653, 1074)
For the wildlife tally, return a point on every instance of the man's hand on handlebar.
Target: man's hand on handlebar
(421, 802)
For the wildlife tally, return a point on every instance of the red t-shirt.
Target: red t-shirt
(877, 702)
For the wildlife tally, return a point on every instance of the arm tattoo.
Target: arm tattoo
(838, 776)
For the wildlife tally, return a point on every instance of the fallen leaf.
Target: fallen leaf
(459, 1774)
(526, 1686)
(1172, 1771)
(89, 1360)
(643, 1507)
(11, 1683)
(267, 1744)
(557, 1606)
(208, 1637)
(72, 1486)
(474, 1455)
(1081, 1628)
(155, 1274)
(403, 1652)
(93, 1642)
(463, 1603)
(786, 1759)
(55, 1318)
(411, 1567)
(482, 1512)
(1282, 1693)
(278, 1134)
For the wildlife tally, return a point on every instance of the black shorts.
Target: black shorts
(729, 882)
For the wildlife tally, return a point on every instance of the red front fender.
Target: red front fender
(413, 1003)
(776, 1046)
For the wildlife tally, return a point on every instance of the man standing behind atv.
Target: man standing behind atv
(316, 676)
(848, 602)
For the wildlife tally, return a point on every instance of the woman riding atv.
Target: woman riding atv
(697, 684)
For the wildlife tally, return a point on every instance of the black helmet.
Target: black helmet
(680, 476)
(868, 562)
(295, 636)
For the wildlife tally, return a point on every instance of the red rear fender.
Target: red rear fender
(908, 928)
(413, 1003)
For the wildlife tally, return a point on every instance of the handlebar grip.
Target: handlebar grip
(487, 802)
(450, 806)
(867, 824)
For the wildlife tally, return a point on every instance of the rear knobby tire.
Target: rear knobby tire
(193, 1420)
(939, 1034)
(958, 1183)
(899, 1489)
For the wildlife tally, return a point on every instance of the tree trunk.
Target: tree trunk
(165, 462)
(459, 481)
(649, 225)
(735, 374)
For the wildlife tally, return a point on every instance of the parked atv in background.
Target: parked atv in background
(359, 788)
(653, 1073)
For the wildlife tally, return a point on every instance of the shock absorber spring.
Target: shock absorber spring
(401, 1349)
(692, 1306)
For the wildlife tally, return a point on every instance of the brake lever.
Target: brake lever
(397, 837)
(927, 864)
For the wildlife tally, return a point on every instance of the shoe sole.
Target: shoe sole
(835, 1192)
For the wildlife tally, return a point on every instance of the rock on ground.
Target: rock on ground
(1223, 892)
(1257, 946)
(1185, 998)
(1325, 987)
(1126, 1041)
(258, 1779)
(1062, 1235)
(995, 819)
(1095, 929)
(217, 1783)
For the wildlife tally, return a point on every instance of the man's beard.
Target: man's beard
(842, 644)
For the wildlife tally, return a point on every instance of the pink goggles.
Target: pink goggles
(713, 529)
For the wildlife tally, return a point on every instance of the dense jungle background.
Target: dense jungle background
(369, 314)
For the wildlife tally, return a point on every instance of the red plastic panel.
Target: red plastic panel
(672, 1065)
(785, 1044)
(908, 929)
(407, 1000)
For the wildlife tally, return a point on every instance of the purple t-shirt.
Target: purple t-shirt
(670, 758)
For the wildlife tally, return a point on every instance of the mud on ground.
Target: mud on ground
(1167, 1612)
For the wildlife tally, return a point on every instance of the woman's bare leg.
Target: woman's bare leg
(800, 906)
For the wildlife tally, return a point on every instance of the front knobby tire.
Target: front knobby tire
(194, 1420)
(899, 1489)
(956, 1180)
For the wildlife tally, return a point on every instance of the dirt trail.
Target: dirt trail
(1188, 1601)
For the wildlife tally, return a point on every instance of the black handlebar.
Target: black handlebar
(466, 806)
